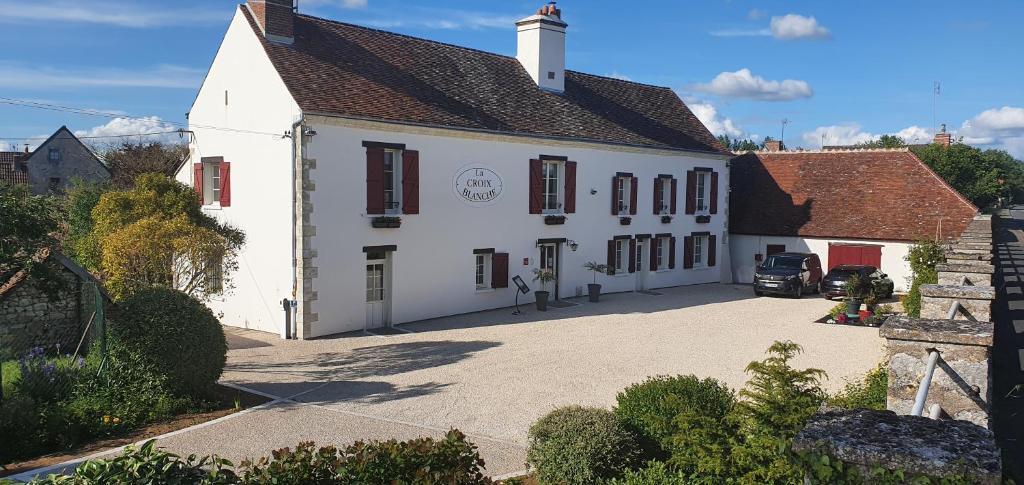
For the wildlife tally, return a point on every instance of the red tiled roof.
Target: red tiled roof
(347, 70)
(9, 169)
(864, 194)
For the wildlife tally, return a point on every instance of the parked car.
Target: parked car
(788, 274)
(832, 285)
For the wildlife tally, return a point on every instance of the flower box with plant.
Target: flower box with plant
(625, 221)
(666, 219)
(385, 222)
(542, 276)
(594, 289)
(553, 220)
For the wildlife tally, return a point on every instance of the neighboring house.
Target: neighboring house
(12, 167)
(58, 160)
(428, 175)
(849, 207)
(46, 315)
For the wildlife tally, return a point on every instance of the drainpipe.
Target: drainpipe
(296, 161)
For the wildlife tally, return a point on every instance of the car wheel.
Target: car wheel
(799, 292)
(758, 293)
(817, 288)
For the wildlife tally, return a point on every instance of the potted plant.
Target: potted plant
(544, 276)
(594, 289)
(855, 293)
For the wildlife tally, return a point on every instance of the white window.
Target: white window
(483, 271)
(392, 181)
(703, 186)
(211, 183)
(662, 254)
(666, 196)
(622, 196)
(700, 246)
(552, 189)
(621, 260)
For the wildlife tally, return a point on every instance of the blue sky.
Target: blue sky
(840, 72)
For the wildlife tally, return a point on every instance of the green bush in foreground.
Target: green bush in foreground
(578, 445)
(650, 407)
(868, 393)
(655, 473)
(175, 333)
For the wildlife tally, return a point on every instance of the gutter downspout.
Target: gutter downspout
(296, 162)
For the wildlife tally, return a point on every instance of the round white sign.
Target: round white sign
(476, 185)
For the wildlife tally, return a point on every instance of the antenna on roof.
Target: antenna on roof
(936, 91)
(785, 121)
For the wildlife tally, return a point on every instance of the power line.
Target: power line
(17, 138)
(105, 114)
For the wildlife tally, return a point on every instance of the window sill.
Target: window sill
(622, 274)
(701, 268)
(212, 207)
(484, 290)
(662, 270)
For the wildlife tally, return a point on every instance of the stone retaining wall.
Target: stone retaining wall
(976, 301)
(29, 317)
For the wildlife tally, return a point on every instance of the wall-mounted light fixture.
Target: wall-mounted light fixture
(573, 245)
(593, 191)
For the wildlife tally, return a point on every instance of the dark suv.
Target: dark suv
(788, 274)
(872, 277)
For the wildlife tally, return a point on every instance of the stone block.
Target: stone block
(957, 277)
(960, 255)
(963, 332)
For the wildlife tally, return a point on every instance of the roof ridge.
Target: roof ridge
(849, 150)
(471, 49)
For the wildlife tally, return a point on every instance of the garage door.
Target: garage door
(854, 254)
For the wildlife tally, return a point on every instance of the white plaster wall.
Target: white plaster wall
(541, 49)
(433, 266)
(261, 172)
(744, 247)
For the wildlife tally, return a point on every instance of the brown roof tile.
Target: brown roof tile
(864, 194)
(347, 70)
(10, 168)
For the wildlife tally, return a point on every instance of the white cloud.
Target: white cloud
(118, 127)
(851, 134)
(707, 113)
(1001, 128)
(743, 84)
(35, 77)
(120, 14)
(793, 26)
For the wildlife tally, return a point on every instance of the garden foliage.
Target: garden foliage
(868, 393)
(922, 256)
(580, 445)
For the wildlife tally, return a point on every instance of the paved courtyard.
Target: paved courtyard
(491, 374)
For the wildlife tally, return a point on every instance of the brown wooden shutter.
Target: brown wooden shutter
(499, 270)
(633, 186)
(374, 180)
(655, 244)
(658, 195)
(615, 196)
(225, 184)
(691, 192)
(197, 175)
(675, 189)
(536, 187)
(632, 256)
(688, 252)
(410, 182)
(714, 192)
(570, 187)
(712, 249)
(672, 253)
(611, 257)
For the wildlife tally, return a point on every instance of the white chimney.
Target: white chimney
(541, 47)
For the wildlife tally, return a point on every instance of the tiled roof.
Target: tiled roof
(351, 71)
(10, 171)
(859, 194)
(11, 157)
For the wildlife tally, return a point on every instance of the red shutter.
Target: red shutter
(570, 187)
(374, 180)
(499, 270)
(632, 256)
(655, 243)
(536, 187)
(712, 249)
(691, 192)
(410, 182)
(197, 175)
(633, 186)
(675, 188)
(615, 196)
(611, 257)
(658, 195)
(714, 192)
(672, 253)
(687, 252)
(225, 184)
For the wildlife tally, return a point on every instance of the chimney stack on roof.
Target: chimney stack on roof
(276, 19)
(541, 47)
(774, 145)
(943, 138)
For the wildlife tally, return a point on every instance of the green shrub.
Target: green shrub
(19, 427)
(837, 310)
(147, 464)
(649, 408)
(452, 460)
(578, 445)
(868, 393)
(177, 334)
(922, 256)
(655, 473)
(779, 398)
(45, 379)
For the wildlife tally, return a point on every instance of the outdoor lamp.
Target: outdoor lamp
(573, 245)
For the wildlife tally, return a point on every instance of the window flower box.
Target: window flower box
(666, 219)
(554, 220)
(625, 221)
(386, 222)
(703, 219)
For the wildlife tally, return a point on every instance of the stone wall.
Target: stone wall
(30, 317)
(75, 161)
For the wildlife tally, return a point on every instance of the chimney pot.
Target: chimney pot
(541, 47)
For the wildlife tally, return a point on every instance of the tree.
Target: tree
(980, 176)
(156, 234)
(737, 145)
(29, 226)
(128, 160)
(885, 141)
(81, 243)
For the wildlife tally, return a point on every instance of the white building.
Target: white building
(428, 175)
(864, 206)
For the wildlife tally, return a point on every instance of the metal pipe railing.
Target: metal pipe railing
(935, 411)
(953, 310)
(926, 383)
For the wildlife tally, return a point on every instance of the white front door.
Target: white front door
(549, 261)
(642, 263)
(377, 294)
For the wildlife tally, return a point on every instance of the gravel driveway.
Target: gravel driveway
(491, 374)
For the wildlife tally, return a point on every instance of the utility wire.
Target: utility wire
(91, 137)
(104, 114)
